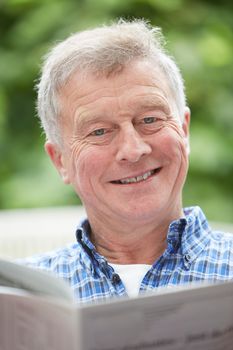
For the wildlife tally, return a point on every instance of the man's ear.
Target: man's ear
(185, 127)
(57, 159)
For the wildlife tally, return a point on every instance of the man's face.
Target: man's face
(123, 150)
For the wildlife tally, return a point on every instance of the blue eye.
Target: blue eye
(149, 120)
(98, 132)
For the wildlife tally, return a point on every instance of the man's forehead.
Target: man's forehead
(141, 87)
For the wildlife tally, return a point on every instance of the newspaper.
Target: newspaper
(199, 317)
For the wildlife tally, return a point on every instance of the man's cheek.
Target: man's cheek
(175, 126)
(176, 130)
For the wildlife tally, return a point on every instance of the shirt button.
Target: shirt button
(187, 257)
(115, 278)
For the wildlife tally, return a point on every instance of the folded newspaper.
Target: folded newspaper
(38, 312)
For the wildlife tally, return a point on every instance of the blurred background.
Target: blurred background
(199, 35)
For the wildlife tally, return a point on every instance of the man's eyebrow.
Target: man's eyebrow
(144, 104)
(154, 103)
(86, 117)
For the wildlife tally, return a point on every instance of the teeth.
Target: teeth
(137, 178)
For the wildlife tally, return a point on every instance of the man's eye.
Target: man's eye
(149, 120)
(98, 132)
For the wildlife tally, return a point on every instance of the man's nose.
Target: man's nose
(132, 146)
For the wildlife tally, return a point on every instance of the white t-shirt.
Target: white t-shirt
(132, 276)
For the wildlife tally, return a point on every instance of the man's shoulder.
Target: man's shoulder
(219, 250)
(55, 260)
(222, 238)
(205, 238)
(198, 223)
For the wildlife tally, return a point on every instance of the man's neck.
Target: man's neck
(139, 251)
(131, 244)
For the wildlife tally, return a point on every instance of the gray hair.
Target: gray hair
(99, 51)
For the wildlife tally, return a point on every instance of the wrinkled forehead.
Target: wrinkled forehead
(141, 77)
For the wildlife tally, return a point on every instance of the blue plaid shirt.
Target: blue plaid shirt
(194, 253)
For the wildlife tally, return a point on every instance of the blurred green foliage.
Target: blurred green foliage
(199, 35)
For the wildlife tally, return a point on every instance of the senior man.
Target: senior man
(112, 104)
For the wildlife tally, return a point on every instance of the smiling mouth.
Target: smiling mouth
(137, 179)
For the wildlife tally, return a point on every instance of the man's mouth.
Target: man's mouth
(136, 179)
